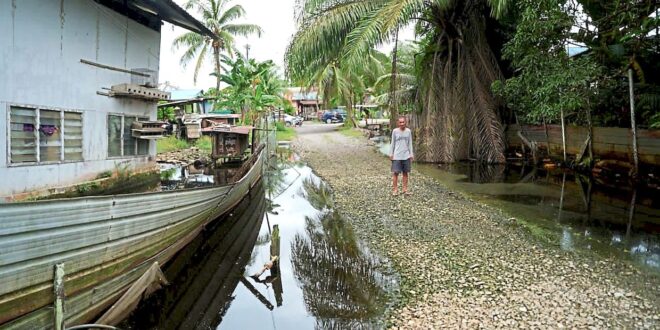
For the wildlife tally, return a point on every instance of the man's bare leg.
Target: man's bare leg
(395, 183)
(405, 182)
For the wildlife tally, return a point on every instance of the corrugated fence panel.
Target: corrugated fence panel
(608, 142)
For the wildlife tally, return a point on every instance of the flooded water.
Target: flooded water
(174, 176)
(283, 259)
(573, 211)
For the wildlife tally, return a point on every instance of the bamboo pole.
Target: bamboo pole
(563, 134)
(633, 126)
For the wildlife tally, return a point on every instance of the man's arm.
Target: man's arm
(392, 146)
(410, 146)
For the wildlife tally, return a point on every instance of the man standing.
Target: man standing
(401, 154)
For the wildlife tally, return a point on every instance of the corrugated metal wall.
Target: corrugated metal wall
(608, 142)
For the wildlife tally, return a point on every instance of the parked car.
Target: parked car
(330, 117)
(288, 119)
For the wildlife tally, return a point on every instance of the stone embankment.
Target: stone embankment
(467, 265)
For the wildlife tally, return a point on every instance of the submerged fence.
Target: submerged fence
(608, 142)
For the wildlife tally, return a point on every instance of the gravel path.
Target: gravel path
(467, 265)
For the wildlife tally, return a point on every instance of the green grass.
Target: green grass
(285, 134)
(170, 143)
(205, 143)
(351, 132)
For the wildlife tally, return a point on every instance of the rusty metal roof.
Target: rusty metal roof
(243, 130)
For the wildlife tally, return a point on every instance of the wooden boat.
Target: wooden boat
(105, 244)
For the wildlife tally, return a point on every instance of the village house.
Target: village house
(74, 76)
(305, 101)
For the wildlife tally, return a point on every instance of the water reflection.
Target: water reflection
(342, 287)
(174, 176)
(308, 265)
(303, 267)
(204, 275)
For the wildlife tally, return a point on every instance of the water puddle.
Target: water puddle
(283, 259)
(573, 211)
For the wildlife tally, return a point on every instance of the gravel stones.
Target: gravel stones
(467, 265)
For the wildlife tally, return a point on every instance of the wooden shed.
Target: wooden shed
(229, 142)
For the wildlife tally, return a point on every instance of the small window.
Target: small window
(23, 143)
(142, 144)
(50, 136)
(114, 136)
(44, 135)
(73, 147)
(129, 140)
(121, 142)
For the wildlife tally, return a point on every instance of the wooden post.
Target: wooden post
(633, 126)
(561, 198)
(563, 134)
(631, 213)
(58, 288)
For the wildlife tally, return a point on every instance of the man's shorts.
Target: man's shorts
(401, 166)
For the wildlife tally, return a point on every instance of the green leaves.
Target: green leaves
(253, 86)
(218, 20)
(546, 80)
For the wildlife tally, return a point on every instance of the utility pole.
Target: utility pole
(247, 51)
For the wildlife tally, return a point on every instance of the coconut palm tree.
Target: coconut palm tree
(458, 117)
(217, 16)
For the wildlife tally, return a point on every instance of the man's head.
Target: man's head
(401, 122)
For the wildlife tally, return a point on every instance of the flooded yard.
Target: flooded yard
(573, 211)
(283, 259)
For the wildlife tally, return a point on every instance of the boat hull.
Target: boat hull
(105, 244)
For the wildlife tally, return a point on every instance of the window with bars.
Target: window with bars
(121, 142)
(44, 136)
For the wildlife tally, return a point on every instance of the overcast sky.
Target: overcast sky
(274, 16)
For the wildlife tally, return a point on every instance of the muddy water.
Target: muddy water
(283, 259)
(572, 211)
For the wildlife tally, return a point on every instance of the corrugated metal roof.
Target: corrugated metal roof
(165, 10)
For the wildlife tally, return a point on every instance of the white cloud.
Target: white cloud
(276, 18)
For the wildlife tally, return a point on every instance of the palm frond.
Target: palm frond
(242, 29)
(231, 14)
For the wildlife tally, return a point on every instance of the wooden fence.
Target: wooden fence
(608, 142)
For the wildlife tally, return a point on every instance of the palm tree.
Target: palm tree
(217, 18)
(252, 85)
(458, 118)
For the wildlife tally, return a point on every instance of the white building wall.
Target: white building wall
(41, 45)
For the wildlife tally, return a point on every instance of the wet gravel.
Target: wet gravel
(467, 265)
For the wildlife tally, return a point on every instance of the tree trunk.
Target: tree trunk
(216, 59)
(394, 111)
(633, 126)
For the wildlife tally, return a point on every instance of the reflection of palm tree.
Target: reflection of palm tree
(274, 180)
(319, 195)
(340, 284)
